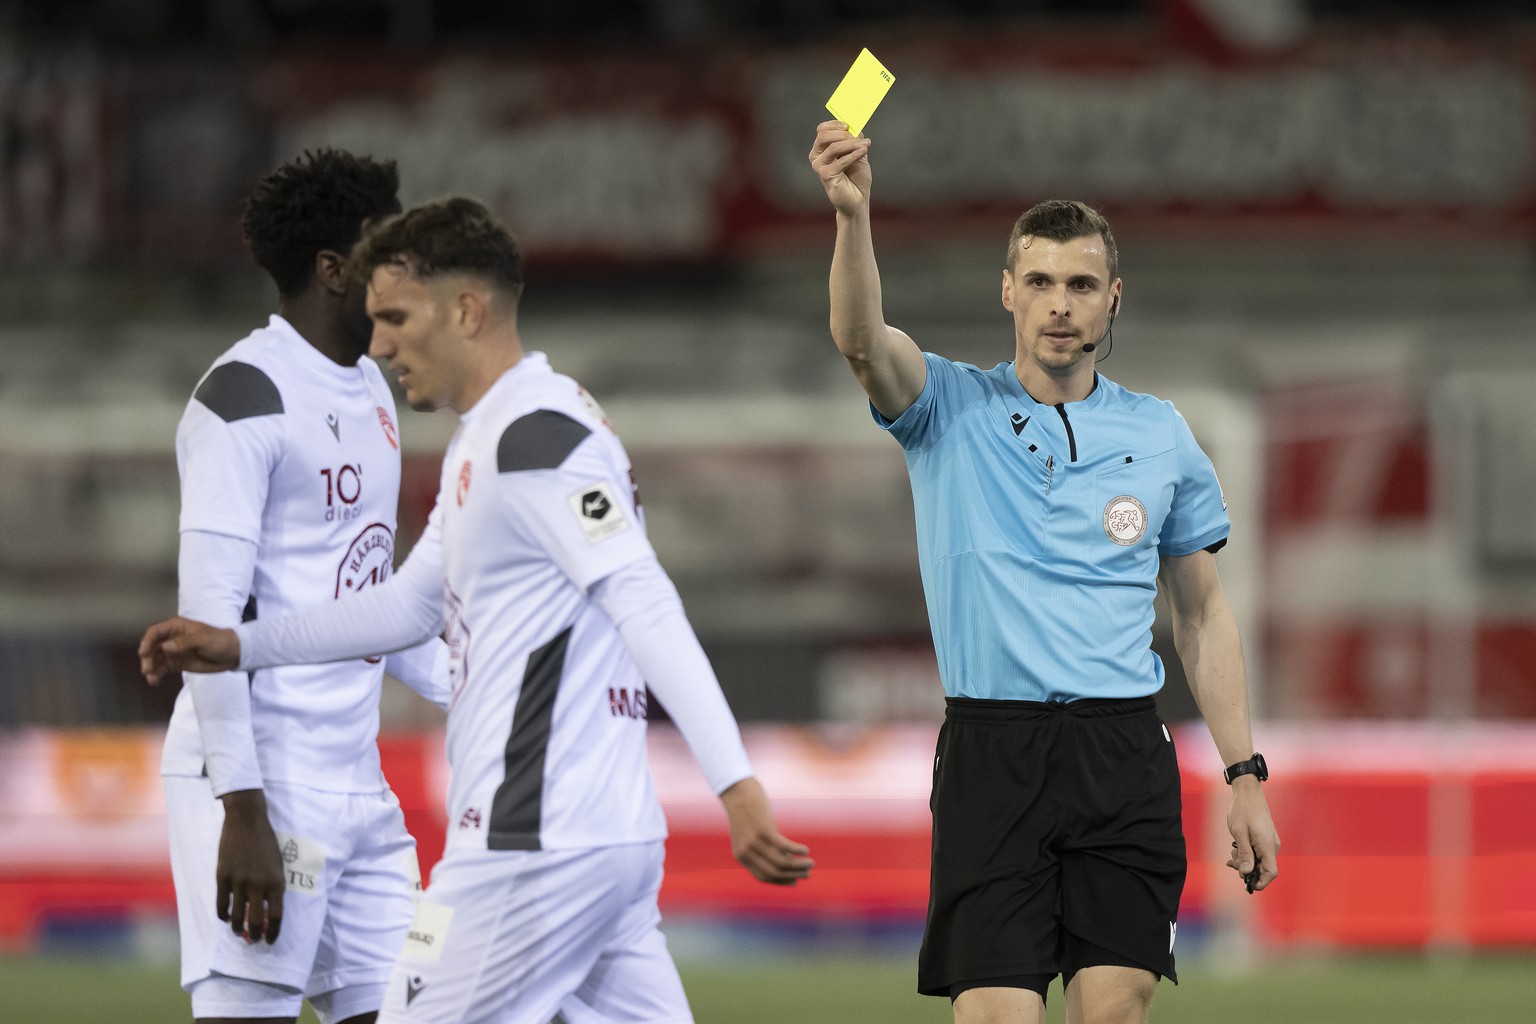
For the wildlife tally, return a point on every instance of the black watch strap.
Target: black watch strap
(1253, 766)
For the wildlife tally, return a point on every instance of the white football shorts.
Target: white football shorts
(353, 882)
(515, 936)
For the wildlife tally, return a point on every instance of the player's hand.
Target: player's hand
(1254, 839)
(841, 161)
(185, 645)
(756, 841)
(250, 871)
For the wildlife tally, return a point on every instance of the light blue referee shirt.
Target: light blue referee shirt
(1039, 529)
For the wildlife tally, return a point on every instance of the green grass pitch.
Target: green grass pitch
(1346, 990)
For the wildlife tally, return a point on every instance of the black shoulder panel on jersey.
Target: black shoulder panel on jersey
(539, 440)
(234, 391)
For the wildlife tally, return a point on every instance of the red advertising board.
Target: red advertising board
(1402, 836)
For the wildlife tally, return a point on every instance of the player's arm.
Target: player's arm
(230, 438)
(887, 363)
(215, 573)
(643, 603)
(403, 611)
(1205, 633)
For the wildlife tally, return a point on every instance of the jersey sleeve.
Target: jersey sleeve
(564, 485)
(229, 440)
(214, 573)
(424, 668)
(949, 389)
(1198, 517)
(643, 603)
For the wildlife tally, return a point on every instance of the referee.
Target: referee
(1051, 506)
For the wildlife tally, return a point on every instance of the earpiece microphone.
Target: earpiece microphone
(1113, 309)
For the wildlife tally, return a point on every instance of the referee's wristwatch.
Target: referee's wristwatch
(1253, 766)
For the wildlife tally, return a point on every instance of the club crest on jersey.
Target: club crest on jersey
(367, 561)
(390, 433)
(463, 489)
(598, 511)
(1125, 520)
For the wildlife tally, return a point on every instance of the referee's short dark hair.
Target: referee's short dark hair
(449, 236)
(1062, 220)
(318, 200)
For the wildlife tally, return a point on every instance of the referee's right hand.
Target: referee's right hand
(841, 161)
(185, 645)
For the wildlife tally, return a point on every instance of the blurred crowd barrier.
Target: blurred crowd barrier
(1400, 569)
(1414, 837)
(696, 155)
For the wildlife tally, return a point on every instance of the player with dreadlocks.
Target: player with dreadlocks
(281, 822)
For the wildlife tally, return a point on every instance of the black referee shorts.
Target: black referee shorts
(1057, 838)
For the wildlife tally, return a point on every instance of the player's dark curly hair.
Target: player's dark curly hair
(449, 236)
(319, 200)
(1062, 220)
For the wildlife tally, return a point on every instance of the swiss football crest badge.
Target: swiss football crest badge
(1125, 520)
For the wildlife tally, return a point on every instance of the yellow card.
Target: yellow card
(860, 92)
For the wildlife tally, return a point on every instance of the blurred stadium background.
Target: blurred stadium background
(1326, 211)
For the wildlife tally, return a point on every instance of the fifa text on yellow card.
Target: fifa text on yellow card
(860, 92)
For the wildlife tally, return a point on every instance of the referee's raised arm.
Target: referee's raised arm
(888, 364)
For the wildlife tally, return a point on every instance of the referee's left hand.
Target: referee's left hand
(755, 839)
(1254, 839)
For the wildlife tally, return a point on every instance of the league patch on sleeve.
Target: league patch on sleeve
(429, 932)
(303, 863)
(598, 511)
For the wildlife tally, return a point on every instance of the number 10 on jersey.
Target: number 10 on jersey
(344, 485)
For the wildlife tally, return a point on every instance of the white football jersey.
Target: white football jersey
(546, 733)
(284, 448)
